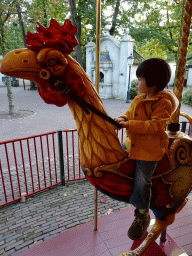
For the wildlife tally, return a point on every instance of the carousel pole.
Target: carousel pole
(98, 31)
(97, 76)
(181, 61)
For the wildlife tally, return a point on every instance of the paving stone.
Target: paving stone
(3, 230)
(2, 242)
(9, 252)
(19, 251)
(49, 229)
(24, 245)
(13, 245)
(41, 237)
(39, 223)
(35, 243)
(32, 236)
(6, 244)
(48, 237)
(53, 218)
(16, 236)
(36, 217)
(58, 230)
(2, 251)
(73, 224)
(47, 214)
(15, 226)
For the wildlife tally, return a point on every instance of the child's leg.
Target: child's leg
(123, 146)
(141, 198)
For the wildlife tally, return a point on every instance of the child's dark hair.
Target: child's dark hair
(156, 72)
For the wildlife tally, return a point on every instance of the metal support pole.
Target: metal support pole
(128, 89)
(163, 236)
(97, 74)
(61, 158)
(97, 77)
(183, 126)
(96, 210)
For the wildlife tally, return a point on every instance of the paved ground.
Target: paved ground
(23, 225)
(43, 117)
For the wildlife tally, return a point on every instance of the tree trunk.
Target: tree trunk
(45, 15)
(78, 47)
(114, 21)
(8, 81)
(171, 36)
(10, 95)
(21, 24)
(76, 21)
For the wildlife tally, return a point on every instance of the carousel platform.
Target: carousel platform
(111, 237)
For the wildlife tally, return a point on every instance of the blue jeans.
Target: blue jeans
(141, 196)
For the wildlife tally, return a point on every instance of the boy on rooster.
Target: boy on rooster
(145, 123)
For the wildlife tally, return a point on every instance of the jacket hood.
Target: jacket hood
(168, 94)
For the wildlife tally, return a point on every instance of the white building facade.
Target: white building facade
(114, 71)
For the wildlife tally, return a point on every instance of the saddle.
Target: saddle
(171, 180)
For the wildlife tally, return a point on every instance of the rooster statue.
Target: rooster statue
(106, 164)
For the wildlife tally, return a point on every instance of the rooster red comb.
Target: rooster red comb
(55, 36)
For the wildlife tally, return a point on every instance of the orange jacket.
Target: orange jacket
(146, 137)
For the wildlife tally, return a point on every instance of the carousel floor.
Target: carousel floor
(111, 237)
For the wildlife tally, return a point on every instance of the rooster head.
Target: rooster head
(45, 62)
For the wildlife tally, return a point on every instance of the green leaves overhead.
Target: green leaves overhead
(151, 23)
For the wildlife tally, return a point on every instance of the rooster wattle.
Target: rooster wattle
(107, 166)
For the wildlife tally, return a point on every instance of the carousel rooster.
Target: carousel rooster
(106, 164)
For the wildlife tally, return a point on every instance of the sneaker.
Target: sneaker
(139, 225)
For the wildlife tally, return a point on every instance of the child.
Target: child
(145, 123)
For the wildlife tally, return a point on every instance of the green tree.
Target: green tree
(83, 13)
(157, 20)
(150, 23)
(44, 10)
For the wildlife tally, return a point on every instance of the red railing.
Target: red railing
(27, 166)
(32, 164)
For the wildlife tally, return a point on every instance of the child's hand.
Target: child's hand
(119, 119)
(123, 122)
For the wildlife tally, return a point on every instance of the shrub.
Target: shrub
(133, 89)
(187, 97)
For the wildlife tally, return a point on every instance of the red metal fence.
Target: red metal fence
(32, 164)
(27, 166)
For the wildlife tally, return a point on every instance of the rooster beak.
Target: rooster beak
(21, 63)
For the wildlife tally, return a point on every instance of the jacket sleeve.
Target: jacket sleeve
(159, 119)
(127, 115)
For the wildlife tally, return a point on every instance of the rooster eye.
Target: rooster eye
(44, 74)
(51, 62)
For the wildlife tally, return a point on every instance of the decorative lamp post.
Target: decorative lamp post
(130, 60)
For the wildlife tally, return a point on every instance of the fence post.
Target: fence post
(61, 158)
(183, 127)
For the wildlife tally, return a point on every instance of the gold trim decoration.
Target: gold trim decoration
(180, 180)
(113, 168)
(180, 152)
(187, 117)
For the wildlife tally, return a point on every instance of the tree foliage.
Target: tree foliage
(154, 25)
